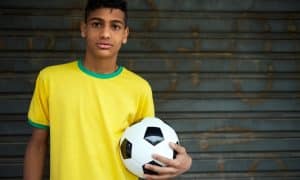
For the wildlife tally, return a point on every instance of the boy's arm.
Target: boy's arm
(35, 154)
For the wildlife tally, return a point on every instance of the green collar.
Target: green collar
(99, 75)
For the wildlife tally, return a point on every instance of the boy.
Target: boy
(85, 105)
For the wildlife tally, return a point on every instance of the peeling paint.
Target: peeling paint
(206, 144)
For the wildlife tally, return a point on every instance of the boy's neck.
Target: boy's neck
(101, 66)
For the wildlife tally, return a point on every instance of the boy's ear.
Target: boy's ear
(82, 29)
(126, 35)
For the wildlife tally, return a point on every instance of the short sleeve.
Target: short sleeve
(38, 114)
(146, 105)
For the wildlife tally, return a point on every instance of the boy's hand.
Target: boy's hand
(174, 167)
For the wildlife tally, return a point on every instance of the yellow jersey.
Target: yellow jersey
(86, 114)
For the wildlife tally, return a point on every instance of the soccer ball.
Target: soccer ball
(143, 139)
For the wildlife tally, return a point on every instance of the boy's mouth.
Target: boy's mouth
(104, 45)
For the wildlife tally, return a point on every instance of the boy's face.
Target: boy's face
(105, 32)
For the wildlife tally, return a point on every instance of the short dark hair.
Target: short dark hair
(114, 4)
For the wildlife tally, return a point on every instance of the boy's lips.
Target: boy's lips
(104, 45)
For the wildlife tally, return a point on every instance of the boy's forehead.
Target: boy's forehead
(107, 14)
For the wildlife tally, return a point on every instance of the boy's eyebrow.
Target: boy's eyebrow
(118, 21)
(100, 19)
(94, 19)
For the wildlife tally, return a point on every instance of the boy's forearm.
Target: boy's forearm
(34, 161)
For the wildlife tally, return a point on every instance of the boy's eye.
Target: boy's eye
(116, 27)
(96, 25)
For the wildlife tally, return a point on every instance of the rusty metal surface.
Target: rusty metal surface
(225, 75)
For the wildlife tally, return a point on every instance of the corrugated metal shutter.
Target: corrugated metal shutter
(225, 75)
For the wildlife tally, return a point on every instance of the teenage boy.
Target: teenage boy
(85, 105)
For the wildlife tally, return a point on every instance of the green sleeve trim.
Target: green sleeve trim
(37, 125)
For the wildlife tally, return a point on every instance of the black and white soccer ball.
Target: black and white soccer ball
(143, 139)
